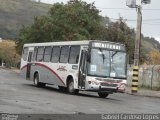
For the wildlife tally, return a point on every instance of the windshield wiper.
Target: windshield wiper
(114, 54)
(102, 54)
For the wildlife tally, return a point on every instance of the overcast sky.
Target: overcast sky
(116, 8)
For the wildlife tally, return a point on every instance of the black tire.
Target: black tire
(103, 95)
(70, 88)
(62, 88)
(42, 84)
(36, 80)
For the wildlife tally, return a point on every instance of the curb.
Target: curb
(16, 70)
(11, 69)
(143, 95)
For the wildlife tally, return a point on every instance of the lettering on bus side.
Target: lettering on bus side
(108, 46)
(62, 68)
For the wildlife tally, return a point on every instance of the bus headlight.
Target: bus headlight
(122, 86)
(89, 82)
(95, 83)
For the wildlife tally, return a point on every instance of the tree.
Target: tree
(8, 53)
(75, 20)
(154, 57)
(120, 32)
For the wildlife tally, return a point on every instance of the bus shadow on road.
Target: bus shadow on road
(91, 95)
(55, 89)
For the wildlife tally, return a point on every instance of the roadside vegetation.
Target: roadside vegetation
(8, 54)
(75, 20)
(34, 22)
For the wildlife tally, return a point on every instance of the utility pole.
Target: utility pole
(137, 51)
(138, 37)
(138, 5)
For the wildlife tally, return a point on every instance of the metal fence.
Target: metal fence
(149, 76)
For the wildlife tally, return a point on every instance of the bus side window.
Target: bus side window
(34, 54)
(55, 54)
(40, 54)
(47, 54)
(64, 54)
(74, 54)
(25, 53)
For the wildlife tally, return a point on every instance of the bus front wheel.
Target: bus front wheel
(102, 95)
(71, 89)
(62, 88)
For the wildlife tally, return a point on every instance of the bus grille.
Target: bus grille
(109, 85)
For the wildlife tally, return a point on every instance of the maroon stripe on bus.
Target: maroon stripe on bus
(42, 65)
(23, 67)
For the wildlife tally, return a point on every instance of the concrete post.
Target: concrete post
(137, 51)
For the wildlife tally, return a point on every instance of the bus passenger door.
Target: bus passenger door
(29, 65)
(82, 69)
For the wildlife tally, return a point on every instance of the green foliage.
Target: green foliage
(148, 44)
(120, 32)
(8, 53)
(75, 20)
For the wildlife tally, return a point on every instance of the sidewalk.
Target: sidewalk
(12, 69)
(15, 70)
(144, 92)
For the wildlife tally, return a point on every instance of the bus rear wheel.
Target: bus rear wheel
(102, 95)
(36, 81)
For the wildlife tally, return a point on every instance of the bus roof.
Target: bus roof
(58, 43)
(82, 42)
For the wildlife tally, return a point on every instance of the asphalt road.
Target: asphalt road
(19, 96)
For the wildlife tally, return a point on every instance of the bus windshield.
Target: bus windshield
(107, 63)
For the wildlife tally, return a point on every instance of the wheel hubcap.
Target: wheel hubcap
(35, 81)
(71, 87)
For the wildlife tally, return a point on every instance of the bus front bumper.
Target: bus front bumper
(107, 89)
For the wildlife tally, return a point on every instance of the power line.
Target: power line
(115, 8)
(146, 20)
(129, 9)
(150, 24)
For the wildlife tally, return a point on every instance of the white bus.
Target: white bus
(98, 66)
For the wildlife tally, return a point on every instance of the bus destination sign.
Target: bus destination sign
(108, 46)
